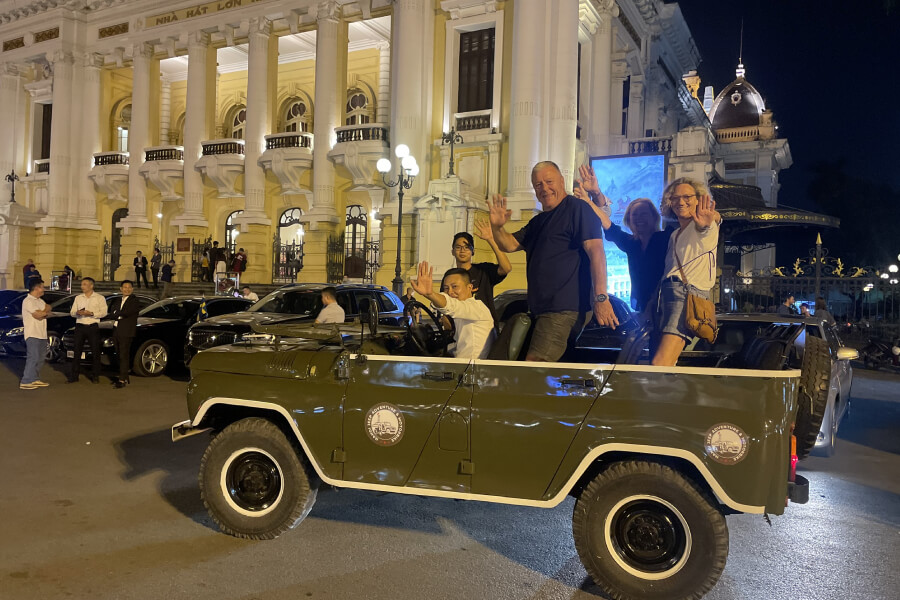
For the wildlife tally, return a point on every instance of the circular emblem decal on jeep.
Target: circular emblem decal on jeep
(726, 444)
(384, 424)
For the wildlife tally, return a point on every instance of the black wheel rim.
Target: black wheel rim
(253, 481)
(648, 536)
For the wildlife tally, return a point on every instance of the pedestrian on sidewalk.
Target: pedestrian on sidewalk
(168, 272)
(125, 316)
(239, 261)
(34, 320)
(88, 308)
(31, 275)
(155, 261)
(204, 265)
(218, 258)
(140, 269)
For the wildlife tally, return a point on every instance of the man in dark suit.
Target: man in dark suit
(125, 316)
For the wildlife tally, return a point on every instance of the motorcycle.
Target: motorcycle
(880, 353)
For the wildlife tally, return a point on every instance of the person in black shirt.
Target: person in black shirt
(484, 275)
(645, 246)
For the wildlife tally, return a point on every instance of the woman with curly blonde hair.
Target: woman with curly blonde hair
(690, 262)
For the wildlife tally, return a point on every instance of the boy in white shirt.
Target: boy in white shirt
(474, 322)
(34, 315)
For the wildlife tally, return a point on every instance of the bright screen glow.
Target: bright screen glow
(622, 179)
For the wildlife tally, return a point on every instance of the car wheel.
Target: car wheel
(815, 375)
(254, 481)
(151, 359)
(54, 351)
(646, 532)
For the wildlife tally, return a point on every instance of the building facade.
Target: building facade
(259, 124)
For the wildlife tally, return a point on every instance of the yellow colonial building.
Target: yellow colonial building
(258, 123)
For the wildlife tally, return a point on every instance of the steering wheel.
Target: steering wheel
(429, 341)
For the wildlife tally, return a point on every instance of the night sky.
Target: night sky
(828, 69)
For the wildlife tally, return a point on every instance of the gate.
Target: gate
(166, 251)
(197, 250)
(373, 256)
(334, 266)
(108, 269)
(287, 261)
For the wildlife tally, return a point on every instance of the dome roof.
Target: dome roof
(738, 105)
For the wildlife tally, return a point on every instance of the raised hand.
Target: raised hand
(589, 179)
(424, 283)
(499, 214)
(706, 213)
(580, 193)
(484, 231)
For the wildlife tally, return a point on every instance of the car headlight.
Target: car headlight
(190, 337)
(109, 343)
(16, 332)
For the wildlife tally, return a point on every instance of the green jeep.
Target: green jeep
(655, 457)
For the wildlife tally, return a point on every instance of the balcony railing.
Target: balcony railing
(103, 159)
(216, 147)
(42, 165)
(165, 153)
(738, 134)
(647, 145)
(362, 133)
(289, 140)
(470, 121)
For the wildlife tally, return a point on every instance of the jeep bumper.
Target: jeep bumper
(798, 490)
(185, 429)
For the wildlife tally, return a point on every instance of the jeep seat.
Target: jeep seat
(510, 342)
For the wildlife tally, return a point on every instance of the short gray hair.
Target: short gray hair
(543, 165)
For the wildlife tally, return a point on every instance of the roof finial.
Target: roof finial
(741, 70)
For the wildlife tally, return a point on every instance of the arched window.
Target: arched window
(355, 230)
(358, 110)
(288, 248)
(121, 125)
(232, 231)
(295, 117)
(238, 120)
(290, 228)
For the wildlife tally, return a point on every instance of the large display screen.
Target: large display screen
(622, 179)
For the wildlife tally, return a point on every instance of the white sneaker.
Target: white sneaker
(39, 383)
(27, 386)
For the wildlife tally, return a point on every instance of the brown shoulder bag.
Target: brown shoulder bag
(699, 313)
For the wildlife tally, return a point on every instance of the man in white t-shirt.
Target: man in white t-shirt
(34, 320)
(474, 322)
(331, 311)
(248, 294)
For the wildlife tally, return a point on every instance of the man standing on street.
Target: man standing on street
(34, 315)
(168, 272)
(87, 309)
(155, 261)
(565, 263)
(125, 315)
(484, 275)
(787, 307)
(140, 269)
(331, 311)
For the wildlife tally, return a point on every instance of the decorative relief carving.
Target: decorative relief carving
(14, 44)
(112, 30)
(46, 35)
(330, 11)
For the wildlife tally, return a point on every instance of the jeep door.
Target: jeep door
(406, 421)
(524, 417)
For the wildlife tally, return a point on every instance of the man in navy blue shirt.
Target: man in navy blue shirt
(565, 263)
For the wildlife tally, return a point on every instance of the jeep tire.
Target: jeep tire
(646, 532)
(254, 482)
(815, 379)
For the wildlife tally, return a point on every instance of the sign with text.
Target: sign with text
(191, 12)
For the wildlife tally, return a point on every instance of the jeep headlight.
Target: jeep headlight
(16, 332)
(109, 343)
(190, 337)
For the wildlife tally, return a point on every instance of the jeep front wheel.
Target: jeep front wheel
(646, 532)
(254, 482)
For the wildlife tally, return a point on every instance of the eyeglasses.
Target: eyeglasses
(674, 199)
(462, 247)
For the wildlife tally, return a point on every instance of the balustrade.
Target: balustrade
(103, 159)
(217, 147)
(164, 153)
(277, 141)
(647, 145)
(470, 121)
(362, 133)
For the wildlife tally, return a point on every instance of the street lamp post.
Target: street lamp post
(451, 138)
(408, 171)
(12, 178)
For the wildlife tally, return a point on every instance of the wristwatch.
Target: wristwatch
(601, 298)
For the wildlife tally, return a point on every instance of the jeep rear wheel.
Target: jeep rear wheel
(815, 379)
(646, 532)
(254, 482)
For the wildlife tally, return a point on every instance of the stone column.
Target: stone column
(165, 109)
(383, 102)
(616, 91)
(195, 131)
(328, 109)
(564, 102)
(138, 137)
(526, 102)
(636, 108)
(601, 83)
(10, 97)
(60, 146)
(86, 209)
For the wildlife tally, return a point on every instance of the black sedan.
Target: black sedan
(13, 339)
(11, 305)
(161, 329)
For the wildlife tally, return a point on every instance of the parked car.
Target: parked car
(11, 305)
(654, 459)
(58, 322)
(296, 303)
(161, 329)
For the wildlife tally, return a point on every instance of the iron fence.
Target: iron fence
(287, 261)
(334, 265)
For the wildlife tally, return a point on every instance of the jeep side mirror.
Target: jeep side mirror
(845, 353)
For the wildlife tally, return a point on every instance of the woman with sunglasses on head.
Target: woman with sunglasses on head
(690, 262)
(645, 246)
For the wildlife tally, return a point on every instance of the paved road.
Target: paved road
(96, 502)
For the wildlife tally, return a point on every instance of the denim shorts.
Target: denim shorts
(673, 302)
